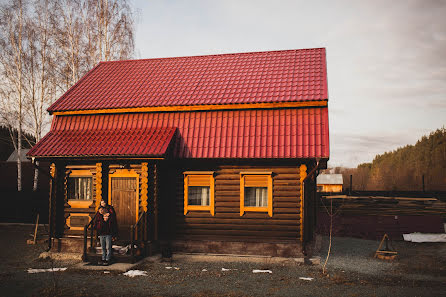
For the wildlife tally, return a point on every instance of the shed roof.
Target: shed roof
(329, 179)
(259, 77)
(13, 156)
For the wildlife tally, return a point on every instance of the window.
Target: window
(80, 188)
(199, 191)
(256, 192)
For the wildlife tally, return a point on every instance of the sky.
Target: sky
(386, 60)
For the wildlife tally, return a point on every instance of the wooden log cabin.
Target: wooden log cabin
(204, 154)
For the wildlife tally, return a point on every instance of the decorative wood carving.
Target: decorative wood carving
(98, 184)
(52, 170)
(144, 185)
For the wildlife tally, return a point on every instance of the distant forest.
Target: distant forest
(403, 169)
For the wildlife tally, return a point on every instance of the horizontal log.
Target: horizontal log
(256, 233)
(239, 221)
(241, 228)
(275, 170)
(282, 187)
(287, 177)
(220, 187)
(244, 238)
(286, 193)
(224, 182)
(276, 204)
(228, 193)
(290, 205)
(286, 182)
(227, 177)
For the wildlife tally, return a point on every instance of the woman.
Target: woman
(107, 228)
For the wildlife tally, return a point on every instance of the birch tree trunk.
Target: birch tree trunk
(11, 59)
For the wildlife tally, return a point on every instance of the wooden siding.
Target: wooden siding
(227, 224)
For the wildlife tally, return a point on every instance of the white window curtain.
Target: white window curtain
(256, 196)
(199, 195)
(81, 188)
(205, 196)
(261, 197)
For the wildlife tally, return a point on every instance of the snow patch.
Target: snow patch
(133, 273)
(261, 271)
(36, 270)
(425, 237)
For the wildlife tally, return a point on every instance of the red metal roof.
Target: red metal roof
(151, 142)
(253, 133)
(275, 76)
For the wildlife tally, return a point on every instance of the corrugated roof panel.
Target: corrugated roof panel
(266, 133)
(276, 76)
(149, 141)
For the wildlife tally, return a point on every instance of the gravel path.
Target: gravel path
(352, 272)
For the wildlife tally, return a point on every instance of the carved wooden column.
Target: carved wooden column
(98, 185)
(144, 196)
(51, 203)
(303, 174)
(155, 200)
(144, 185)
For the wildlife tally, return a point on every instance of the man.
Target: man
(107, 228)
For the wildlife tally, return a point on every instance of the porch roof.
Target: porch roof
(142, 142)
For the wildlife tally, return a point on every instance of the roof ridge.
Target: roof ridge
(210, 55)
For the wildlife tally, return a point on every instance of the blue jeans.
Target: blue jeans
(106, 244)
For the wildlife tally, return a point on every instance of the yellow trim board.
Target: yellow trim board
(80, 203)
(68, 220)
(318, 103)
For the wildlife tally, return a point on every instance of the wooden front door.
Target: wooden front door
(124, 198)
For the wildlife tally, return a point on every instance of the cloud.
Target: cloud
(386, 60)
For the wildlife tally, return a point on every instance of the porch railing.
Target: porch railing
(138, 235)
(88, 226)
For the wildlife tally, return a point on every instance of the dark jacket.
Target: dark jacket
(109, 227)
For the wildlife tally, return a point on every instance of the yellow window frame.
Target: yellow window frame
(75, 203)
(200, 179)
(268, 184)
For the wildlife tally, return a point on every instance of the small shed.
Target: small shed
(23, 158)
(330, 183)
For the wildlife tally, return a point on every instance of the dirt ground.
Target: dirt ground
(352, 271)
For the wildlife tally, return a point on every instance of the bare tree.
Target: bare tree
(40, 89)
(12, 18)
(46, 46)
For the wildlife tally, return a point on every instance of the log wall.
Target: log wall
(227, 224)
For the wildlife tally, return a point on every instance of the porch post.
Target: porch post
(51, 204)
(155, 200)
(144, 195)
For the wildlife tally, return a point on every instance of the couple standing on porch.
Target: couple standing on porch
(107, 228)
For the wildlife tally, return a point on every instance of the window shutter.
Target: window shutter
(256, 180)
(199, 180)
